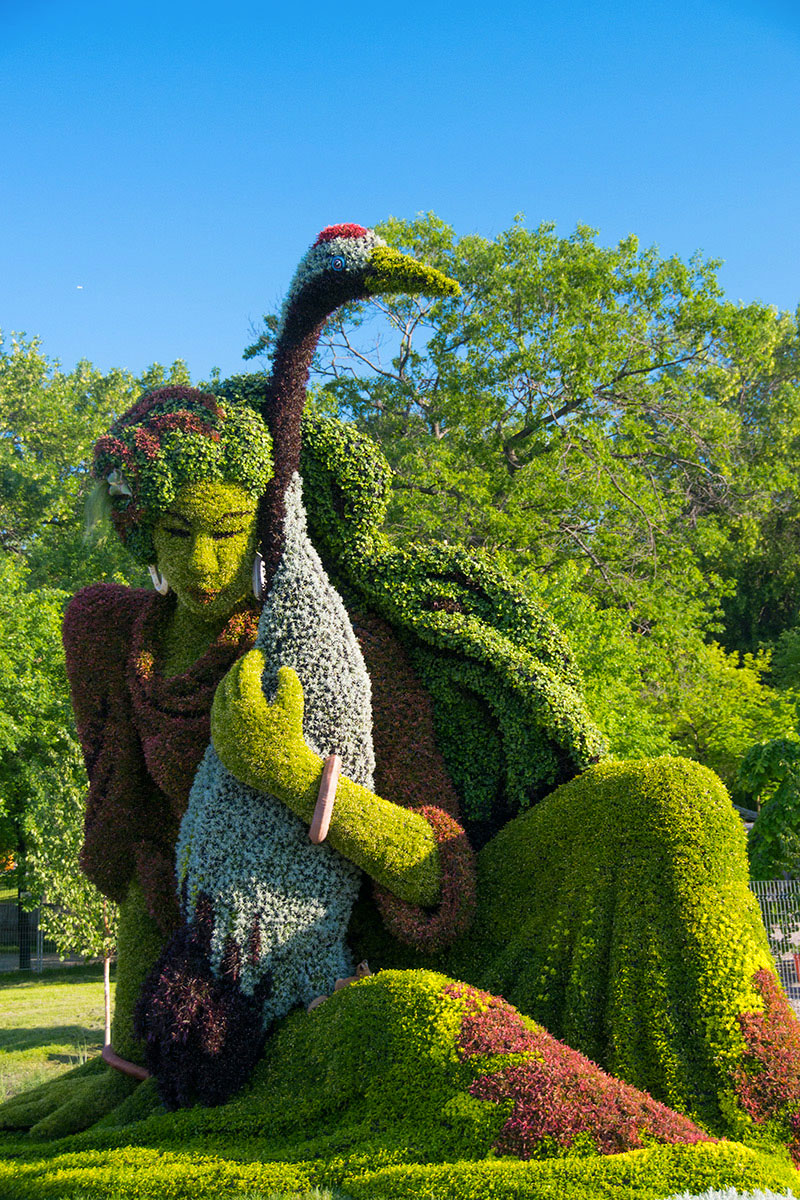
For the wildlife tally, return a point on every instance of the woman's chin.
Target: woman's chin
(203, 598)
(208, 605)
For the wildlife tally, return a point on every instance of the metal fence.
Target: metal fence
(22, 944)
(779, 900)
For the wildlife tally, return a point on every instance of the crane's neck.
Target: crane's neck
(283, 410)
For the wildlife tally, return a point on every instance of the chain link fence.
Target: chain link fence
(23, 946)
(779, 900)
(21, 941)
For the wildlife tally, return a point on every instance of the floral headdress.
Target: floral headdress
(168, 438)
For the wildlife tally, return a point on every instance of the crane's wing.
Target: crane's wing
(509, 715)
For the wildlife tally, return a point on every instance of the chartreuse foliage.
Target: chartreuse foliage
(617, 913)
(139, 945)
(262, 745)
(135, 1173)
(204, 546)
(638, 1175)
(374, 1093)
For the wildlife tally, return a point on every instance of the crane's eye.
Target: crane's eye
(337, 262)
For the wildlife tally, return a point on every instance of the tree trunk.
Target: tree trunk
(106, 977)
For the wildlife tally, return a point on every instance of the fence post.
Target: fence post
(39, 946)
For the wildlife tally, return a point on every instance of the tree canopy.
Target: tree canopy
(50, 420)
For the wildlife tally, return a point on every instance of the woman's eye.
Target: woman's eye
(226, 533)
(337, 263)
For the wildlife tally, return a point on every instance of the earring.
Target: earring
(159, 581)
(259, 576)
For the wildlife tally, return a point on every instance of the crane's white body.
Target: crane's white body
(244, 849)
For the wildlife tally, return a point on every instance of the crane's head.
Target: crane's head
(346, 262)
(349, 262)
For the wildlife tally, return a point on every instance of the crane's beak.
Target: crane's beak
(390, 272)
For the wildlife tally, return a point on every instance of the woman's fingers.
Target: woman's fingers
(240, 705)
(250, 668)
(289, 694)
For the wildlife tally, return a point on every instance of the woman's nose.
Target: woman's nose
(203, 554)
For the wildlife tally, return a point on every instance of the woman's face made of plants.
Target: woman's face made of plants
(205, 543)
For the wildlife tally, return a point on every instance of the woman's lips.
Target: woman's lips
(202, 596)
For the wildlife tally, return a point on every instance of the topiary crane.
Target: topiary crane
(345, 263)
(255, 892)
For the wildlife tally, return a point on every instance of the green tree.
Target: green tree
(49, 422)
(42, 780)
(668, 691)
(769, 776)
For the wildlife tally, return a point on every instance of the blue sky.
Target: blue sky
(164, 166)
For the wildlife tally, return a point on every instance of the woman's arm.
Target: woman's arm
(262, 745)
(96, 623)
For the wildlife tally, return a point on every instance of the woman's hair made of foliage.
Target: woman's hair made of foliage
(169, 438)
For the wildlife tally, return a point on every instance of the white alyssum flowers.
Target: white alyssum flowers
(243, 848)
(733, 1194)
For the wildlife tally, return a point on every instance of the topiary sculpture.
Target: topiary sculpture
(614, 908)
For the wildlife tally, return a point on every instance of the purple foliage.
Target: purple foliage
(558, 1094)
(202, 1034)
(768, 1078)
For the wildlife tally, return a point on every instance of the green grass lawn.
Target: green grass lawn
(8, 885)
(48, 1023)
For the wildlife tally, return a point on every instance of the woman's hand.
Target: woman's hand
(262, 744)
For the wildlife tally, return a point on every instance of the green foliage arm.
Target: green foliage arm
(262, 745)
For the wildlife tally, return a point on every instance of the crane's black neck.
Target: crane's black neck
(283, 405)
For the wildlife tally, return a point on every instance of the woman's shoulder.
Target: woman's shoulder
(102, 611)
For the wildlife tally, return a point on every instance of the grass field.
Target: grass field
(48, 1023)
(8, 884)
(54, 1021)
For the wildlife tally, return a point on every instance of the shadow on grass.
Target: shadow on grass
(30, 1038)
(84, 973)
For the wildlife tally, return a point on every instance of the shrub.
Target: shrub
(639, 1175)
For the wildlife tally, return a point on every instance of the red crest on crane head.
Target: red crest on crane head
(337, 231)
